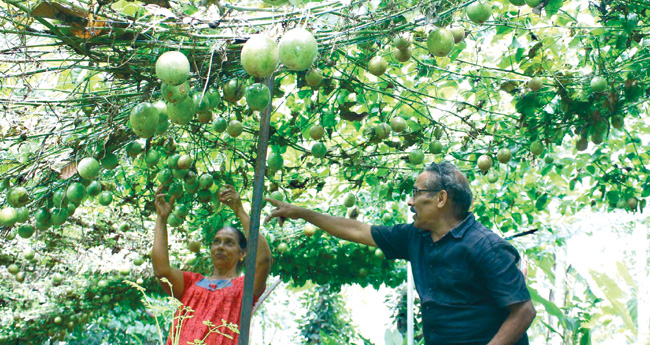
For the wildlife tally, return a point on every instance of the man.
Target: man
(466, 275)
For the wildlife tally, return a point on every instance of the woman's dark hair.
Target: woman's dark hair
(241, 238)
(446, 176)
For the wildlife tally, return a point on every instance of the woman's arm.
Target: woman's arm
(231, 198)
(160, 251)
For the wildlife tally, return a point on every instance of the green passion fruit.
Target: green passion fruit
(259, 56)
(314, 77)
(401, 42)
(484, 162)
(110, 161)
(26, 231)
(275, 161)
(88, 168)
(349, 200)
(458, 32)
(440, 42)
(435, 147)
(319, 150)
(479, 12)
(201, 102)
(183, 112)
(377, 65)
(175, 93)
(59, 216)
(402, 55)
(297, 49)
(165, 176)
(18, 197)
(219, 125)
(144, 119)
(536, 148)
(133, 149)
(213, 97)
(8, 216)
(76, 192)
(503, 155)
(598, 84)
(94, 188)
(233, 90)
(173, 67)
(235, 128)
(416, 157)
(316, 132)
(206, 181)
(22, 214)
(152, 158)
(172, 161)
(258, 96)
(398, 124)
(105, 198)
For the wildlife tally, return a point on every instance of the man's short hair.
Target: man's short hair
(445, 176)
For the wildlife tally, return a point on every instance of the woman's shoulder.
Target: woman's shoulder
(191, 277)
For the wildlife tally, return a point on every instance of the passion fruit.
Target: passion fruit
(183, 112)
(314, 77)
(173, 68)
(258, 96)
(175, 93)
(479, 12)
(18, 197)
(88, 168)
(297, 49)
(233, 90)
(440, 42)
(377, 65)
(319, 150)
(259, 56)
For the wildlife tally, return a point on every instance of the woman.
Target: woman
(216, 297)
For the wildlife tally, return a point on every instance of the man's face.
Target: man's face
(423, 203)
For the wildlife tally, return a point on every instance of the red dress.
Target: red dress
(210, 301)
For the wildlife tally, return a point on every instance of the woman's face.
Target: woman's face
(225, 249)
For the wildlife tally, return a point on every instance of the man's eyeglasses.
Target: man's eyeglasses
(417, 190)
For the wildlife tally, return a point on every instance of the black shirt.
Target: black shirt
(465, 280)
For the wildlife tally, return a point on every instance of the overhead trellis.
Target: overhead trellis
(71, 71)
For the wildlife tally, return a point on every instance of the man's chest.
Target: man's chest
(444, 273)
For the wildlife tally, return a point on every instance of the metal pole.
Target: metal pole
(410, 317)
(410, 336)
(258, 194)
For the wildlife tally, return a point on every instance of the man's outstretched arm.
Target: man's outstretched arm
(343, 228)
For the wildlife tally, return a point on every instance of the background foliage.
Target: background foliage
(71, 71)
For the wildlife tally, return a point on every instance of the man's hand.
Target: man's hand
(230, 197)
(282, 211)
(163, 208)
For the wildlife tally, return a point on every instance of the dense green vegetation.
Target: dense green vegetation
(544, 108)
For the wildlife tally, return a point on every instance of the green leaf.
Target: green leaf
(549, 306)
(393, 337)
(552, 7)
(540, 204)
(585, 338)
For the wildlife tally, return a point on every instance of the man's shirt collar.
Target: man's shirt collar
(461, 228)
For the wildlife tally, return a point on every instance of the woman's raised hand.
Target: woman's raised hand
(230, 197)
(163, 208)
